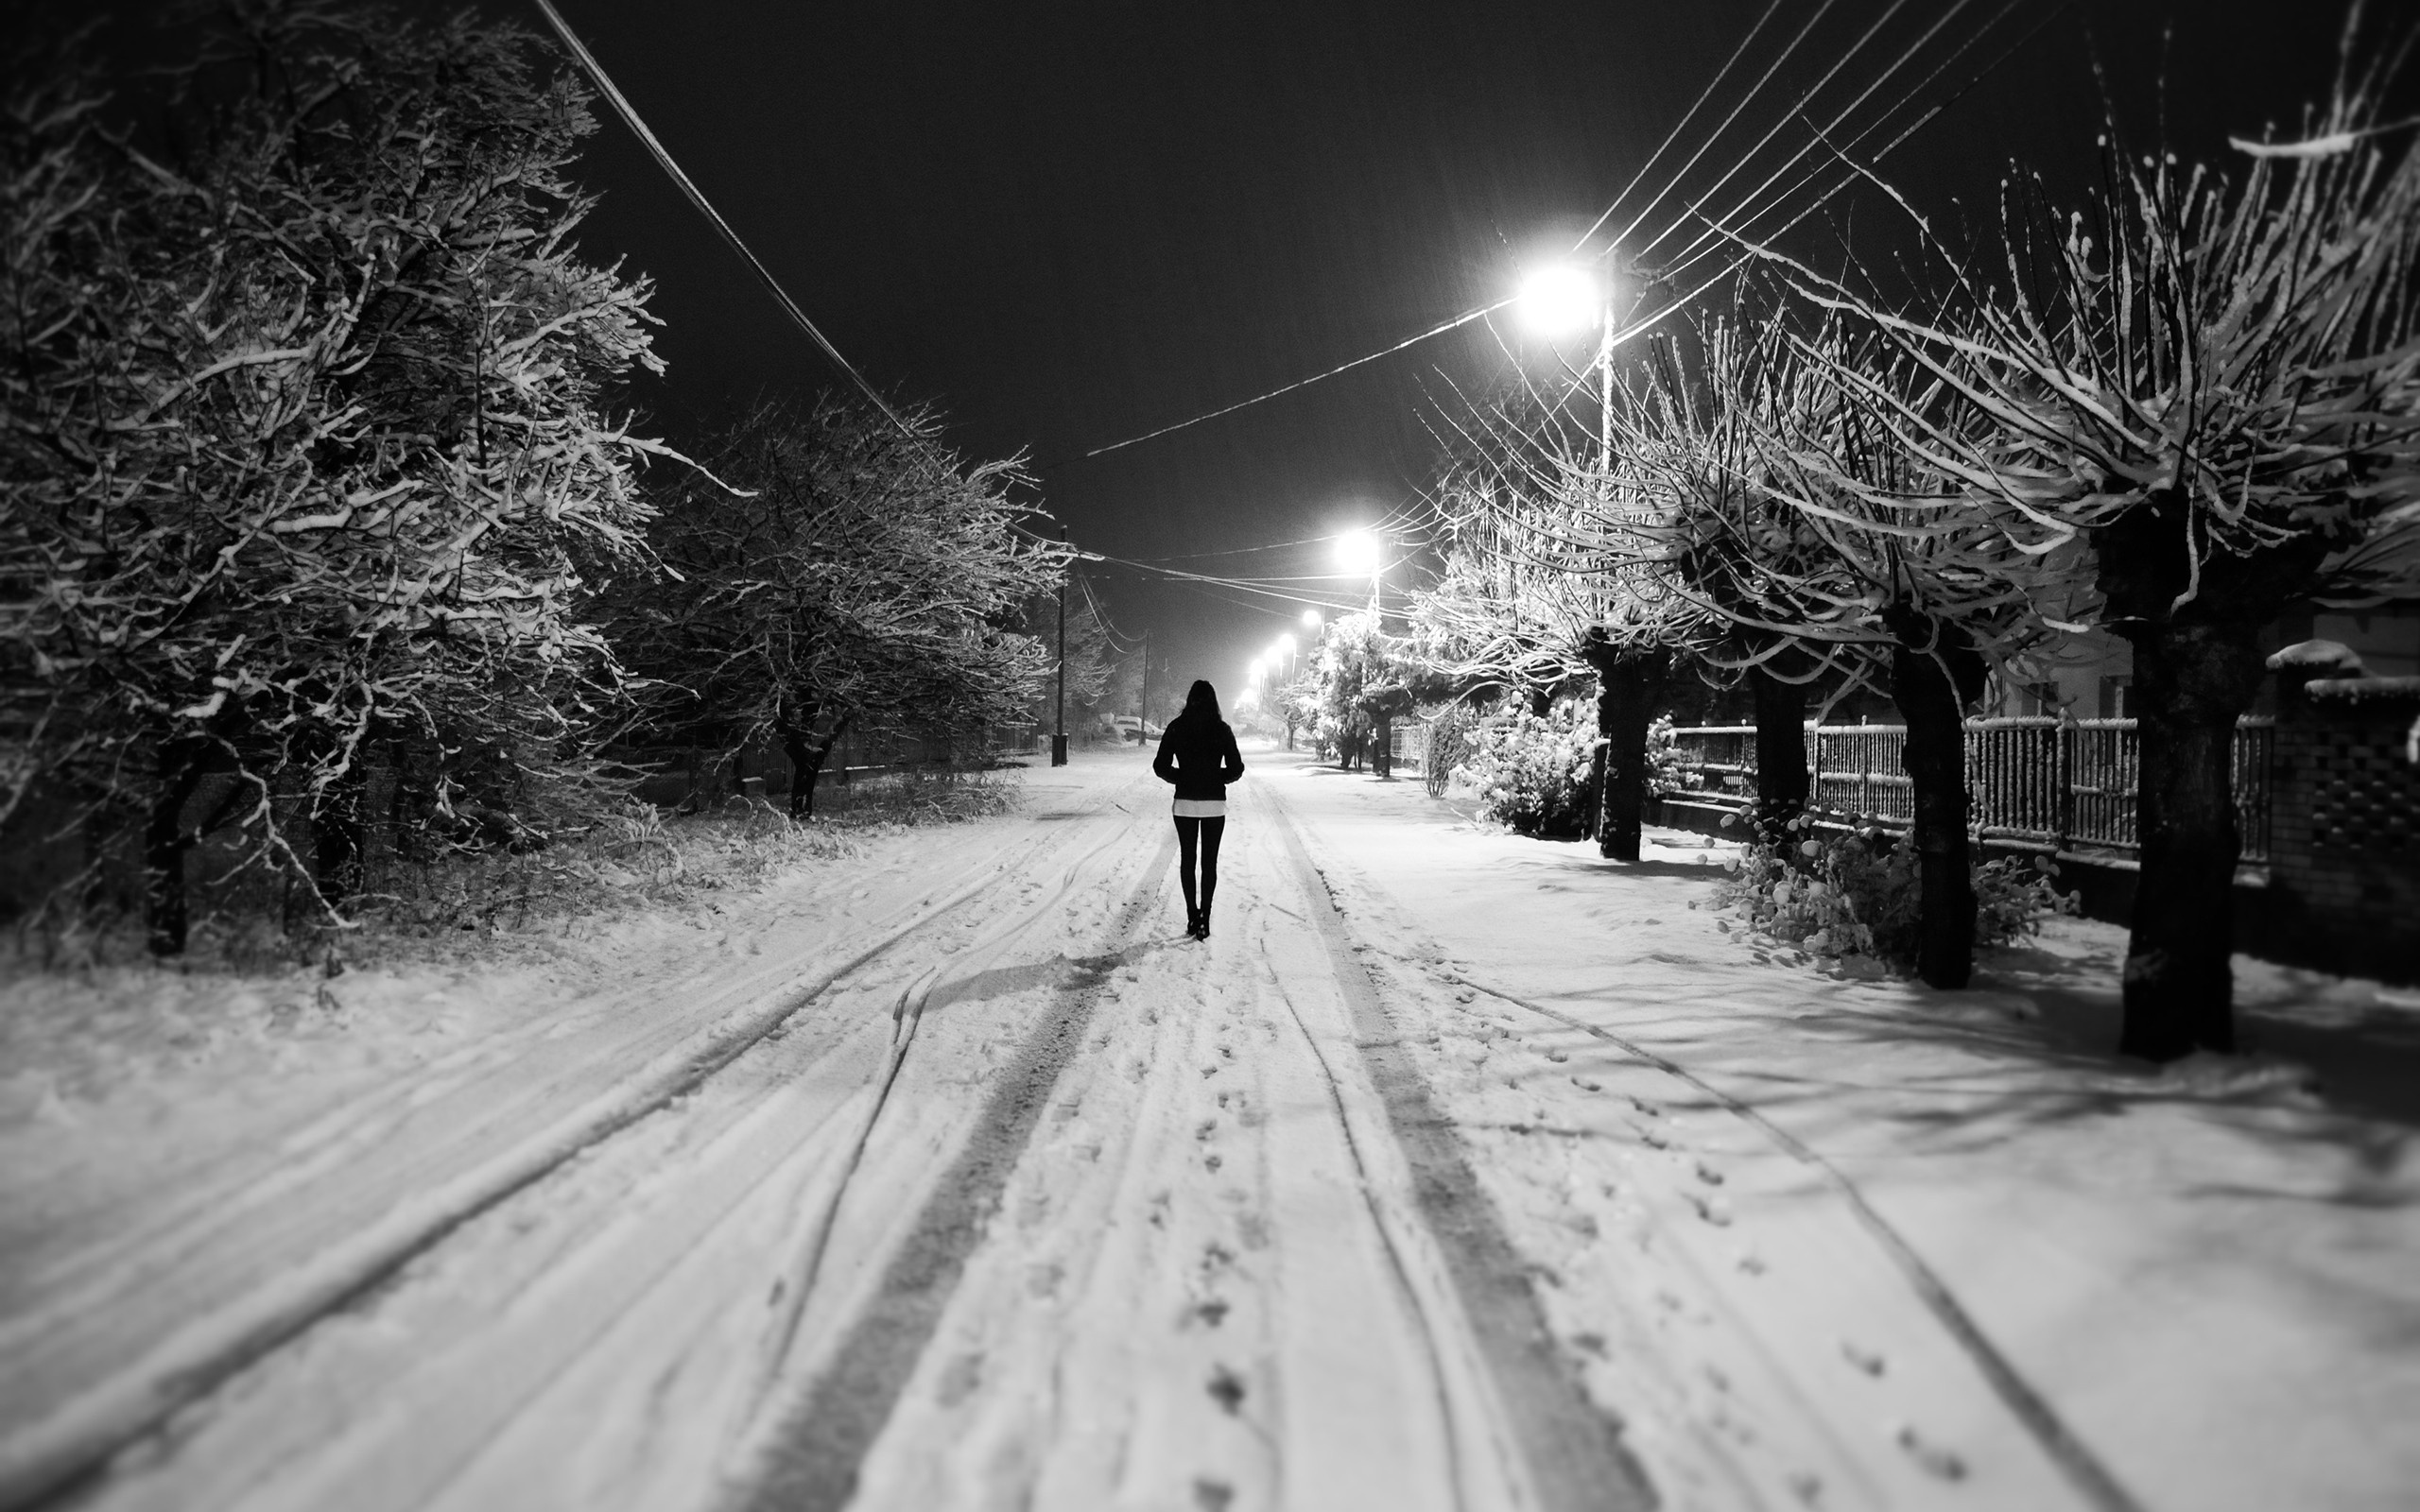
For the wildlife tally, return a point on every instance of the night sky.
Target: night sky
(1066, 224)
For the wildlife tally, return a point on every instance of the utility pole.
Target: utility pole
(1059, 739)
(1143, 699)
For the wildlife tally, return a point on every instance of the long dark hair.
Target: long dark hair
(1202, 703)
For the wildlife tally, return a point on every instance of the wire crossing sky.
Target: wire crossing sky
(1090, 227)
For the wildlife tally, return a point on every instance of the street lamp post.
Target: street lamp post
(1059, 737)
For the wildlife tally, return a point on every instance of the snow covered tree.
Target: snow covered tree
(852, 573)
(2204, 396)
(1549, 581)
(304, 454)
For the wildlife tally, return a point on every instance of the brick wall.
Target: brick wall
(2344, 839)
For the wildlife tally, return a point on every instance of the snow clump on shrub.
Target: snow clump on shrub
(1532, 771)
(1856, 893)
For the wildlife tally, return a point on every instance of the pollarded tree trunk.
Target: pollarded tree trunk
(2193, 618)
(1782, 782)
(1934, 675)
(2194, 682)
(1632, 685)
(1382, 748)
(1599, 656)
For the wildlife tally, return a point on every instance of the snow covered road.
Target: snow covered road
(975, 1184)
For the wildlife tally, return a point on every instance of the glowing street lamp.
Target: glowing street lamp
(1311, 620)
(1560, 301)
(1359, 552)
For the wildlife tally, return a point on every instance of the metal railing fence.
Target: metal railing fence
(2066, 783)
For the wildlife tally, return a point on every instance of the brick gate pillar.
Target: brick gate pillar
(2345, 836)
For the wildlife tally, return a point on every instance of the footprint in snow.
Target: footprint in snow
(1935, 1459)
(1869, 1361)
(1227, 1389)
(1211, 1312)
(1212, 1496)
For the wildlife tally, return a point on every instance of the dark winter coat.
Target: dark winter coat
(1199, 756)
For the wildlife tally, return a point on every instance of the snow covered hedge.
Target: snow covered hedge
(1532, 770)
(1859, 893)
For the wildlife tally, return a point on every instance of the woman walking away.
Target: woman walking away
(1198, 754)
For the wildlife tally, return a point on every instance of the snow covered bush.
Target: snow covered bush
(309, 466)
(1667, 767)
(1532, 770)
(1858, 893)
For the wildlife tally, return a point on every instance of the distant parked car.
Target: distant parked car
(1138, 730)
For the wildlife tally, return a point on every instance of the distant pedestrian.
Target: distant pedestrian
(1198, 754)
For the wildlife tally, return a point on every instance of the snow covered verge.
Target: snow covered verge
(2207, 1279)
(190, 1159)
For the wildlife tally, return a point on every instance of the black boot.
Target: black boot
(1201, 927)
(1193, 925)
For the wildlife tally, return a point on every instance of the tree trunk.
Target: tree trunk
(1591, 802)
(1782, 780)
(1933, 677)
(2194, 681)
(806, 757)
(336, 838)
(2197, 668)
(164, 844)
(1637, 683)
(1625, 707)
(1382, 746)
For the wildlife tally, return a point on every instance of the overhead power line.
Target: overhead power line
(1468, 316)
(630, 118)
(1463, 320)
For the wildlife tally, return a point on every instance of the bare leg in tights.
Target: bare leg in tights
(1201, 835)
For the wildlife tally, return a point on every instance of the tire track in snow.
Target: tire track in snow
(906, 1017)
(811, 1456)
(67, 1455)
(1574, 1452)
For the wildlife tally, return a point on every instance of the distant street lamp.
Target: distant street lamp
(1311, 620)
